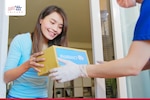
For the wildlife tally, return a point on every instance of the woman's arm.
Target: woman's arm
(15, 73)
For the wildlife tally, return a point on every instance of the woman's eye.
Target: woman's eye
(60, 27)
(52, 22)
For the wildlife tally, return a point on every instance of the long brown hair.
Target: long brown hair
(37, 36)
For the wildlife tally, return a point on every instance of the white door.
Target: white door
(3, 45)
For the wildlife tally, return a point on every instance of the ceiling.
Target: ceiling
(77, 12)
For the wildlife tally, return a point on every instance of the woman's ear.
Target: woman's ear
(41, 21)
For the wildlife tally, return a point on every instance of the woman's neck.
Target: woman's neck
(45, 45)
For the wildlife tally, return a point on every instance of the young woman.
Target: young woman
(22, 62)
(136, 60)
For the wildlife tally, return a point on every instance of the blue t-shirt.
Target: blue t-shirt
(28, 85)
(142, 29)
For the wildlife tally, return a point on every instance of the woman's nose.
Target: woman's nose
(55, 27)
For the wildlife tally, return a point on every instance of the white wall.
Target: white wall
(3, 46)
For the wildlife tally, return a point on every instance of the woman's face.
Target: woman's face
(51, 25)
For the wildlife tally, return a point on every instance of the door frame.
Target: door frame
(96, 33)
(4, 26)
(96, 40)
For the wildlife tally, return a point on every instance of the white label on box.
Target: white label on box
(76, 56)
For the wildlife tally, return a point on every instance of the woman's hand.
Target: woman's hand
(34, 60)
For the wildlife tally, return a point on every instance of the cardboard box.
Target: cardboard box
(52, 54)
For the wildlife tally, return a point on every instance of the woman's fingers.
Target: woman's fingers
(39, 59)
(38, 54)
(38, 70)
(34, 61)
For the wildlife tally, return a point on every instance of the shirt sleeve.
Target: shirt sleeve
(14, 54)
(142, 29)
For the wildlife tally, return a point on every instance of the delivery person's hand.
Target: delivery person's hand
(68, 72)
(126, 3)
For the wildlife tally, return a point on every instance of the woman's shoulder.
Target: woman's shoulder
(23, 35)
(22, 38)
